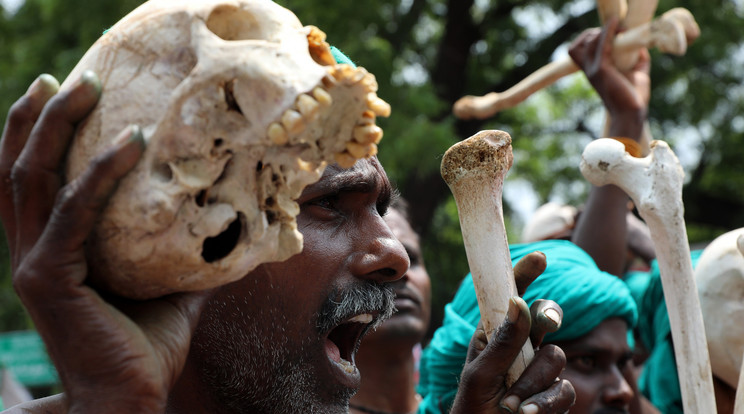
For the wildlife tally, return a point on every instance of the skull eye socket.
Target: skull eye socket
(232, 23)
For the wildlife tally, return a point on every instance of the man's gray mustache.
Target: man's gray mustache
(363, 298)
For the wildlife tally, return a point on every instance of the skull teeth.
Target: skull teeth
(322, 96)
(308, 107)
(344, 159)
(377, 105)
(277, 134)
(293, 122)
(367, 134)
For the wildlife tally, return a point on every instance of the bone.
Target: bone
(639, 12)
(655, 185)
(277, 134)
(670, 33)
(609, 8)
(213, 195)
(739, 401)
(474, 170)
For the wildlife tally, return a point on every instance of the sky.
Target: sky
(11, 5)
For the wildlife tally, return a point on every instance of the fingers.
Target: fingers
(81, 201)
(508, 340)
(36, 175)
(528, 269)
(478, 343)
(21, 119)
(546, 318)
(538, 385)
(607, 38)
(72, 220)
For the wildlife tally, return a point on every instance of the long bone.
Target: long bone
(612, 8)
(655, 185)
(634, 14)
(474, 170)
(640, 12)
(739, 401)
(670, 33)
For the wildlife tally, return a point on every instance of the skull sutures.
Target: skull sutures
(241, 108)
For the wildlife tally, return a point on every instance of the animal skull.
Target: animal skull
(241, 108)
(720, 280)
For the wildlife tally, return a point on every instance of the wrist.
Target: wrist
(627, 124)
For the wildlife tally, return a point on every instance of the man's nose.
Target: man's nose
(617, 391)
(379, 256)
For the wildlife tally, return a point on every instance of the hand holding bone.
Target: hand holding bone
(655, 185)
(474, 170)
(671, 33)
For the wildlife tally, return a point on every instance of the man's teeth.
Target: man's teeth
(347, 366)
(363, 318)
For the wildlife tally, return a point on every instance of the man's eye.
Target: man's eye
(626, 361)
(584, 363)
(328, 202)
(413, 257)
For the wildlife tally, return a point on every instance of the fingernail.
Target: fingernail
(89, 77)
(530, 408)
(132, 134)
(511, 403)
(44, 87)
(481, 339)
(554, 316)
(512, 314)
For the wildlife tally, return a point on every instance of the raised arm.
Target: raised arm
(601, 229)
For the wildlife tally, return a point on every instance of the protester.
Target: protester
(592, 301)
(282, 339)
(599, 310)
(388, 357)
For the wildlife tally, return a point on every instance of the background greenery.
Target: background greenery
(428, 53)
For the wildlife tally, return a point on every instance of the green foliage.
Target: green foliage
(427, 53)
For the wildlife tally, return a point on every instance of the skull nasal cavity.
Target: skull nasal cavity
(221, 245)
(232, 23)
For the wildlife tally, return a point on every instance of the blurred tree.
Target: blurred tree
(427, 53)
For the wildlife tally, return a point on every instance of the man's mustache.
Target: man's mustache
(342, 304)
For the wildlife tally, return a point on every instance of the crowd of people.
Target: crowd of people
(287, 337)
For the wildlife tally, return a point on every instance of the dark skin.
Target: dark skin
(599, 365)
(385, 357)
(602, 228)
(625, 95)
(117, 356)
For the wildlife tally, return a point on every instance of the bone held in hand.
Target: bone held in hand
(670, 33)
(474, 170)
(655, 185)
(739, 401)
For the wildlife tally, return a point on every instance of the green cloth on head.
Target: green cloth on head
(587, 295)
(659, 381)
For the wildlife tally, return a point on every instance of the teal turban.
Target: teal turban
(587, 295)
(341, 57)
(659, 381)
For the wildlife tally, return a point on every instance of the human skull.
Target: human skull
(719, 275)
(241, 108)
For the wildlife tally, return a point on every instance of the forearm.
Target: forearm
(601, 229)
(627, 124)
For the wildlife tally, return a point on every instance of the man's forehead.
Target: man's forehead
(364, 175)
